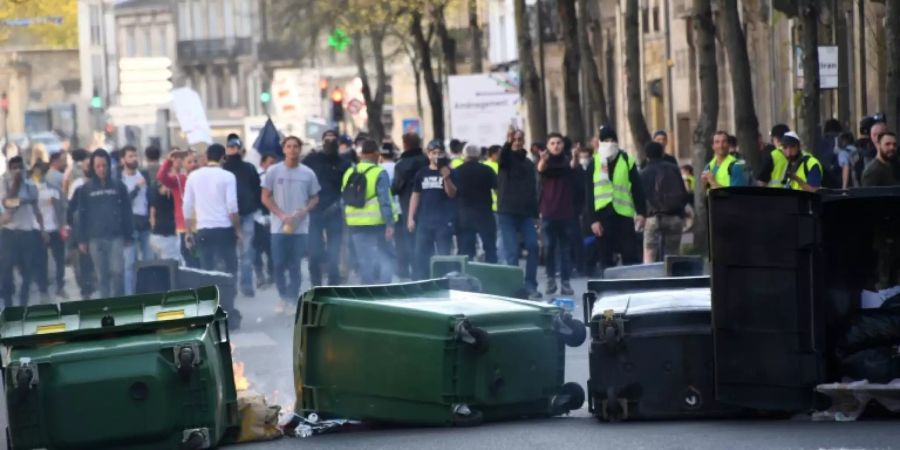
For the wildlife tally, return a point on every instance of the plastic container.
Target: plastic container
(139, 372)
(421, 354)
(496, 279)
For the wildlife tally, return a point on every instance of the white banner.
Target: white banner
(191, 116)
(483, 106)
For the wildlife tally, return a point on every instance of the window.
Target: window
(130, 45)
(219, 90)
(184, 20)
(197, 18)
(228, 28)
(234, 94)
(214, 9)
(96, 23)
(645, 20)
(656, 18)
(163, 40)
(148, 41)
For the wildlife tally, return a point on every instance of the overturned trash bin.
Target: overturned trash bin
(495, 279)
(421, 354)
(140, 372)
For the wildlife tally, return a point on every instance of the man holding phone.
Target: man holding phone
(432, 209)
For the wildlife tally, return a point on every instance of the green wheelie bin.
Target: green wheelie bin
(495, 279)
(421, 354)
(142, 372)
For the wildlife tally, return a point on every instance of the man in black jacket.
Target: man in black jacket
(517, 207)
(249, 193)
(666, 199)
(326, 224)
(477, 182)
(411, 161)
(104, 224)
(615, 194)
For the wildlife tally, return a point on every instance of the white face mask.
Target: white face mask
(585, 162)
(608, 150)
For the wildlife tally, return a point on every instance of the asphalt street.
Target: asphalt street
(265, 345)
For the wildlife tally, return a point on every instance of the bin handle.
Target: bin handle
(179, 295)
(41, 311)
(588, 300)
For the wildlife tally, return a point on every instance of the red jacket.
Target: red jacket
(176, 183)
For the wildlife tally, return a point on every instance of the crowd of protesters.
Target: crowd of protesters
(363, 207)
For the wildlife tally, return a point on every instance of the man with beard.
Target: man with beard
(326, 223)
(137, 184)
(881, 171)
(20, 245)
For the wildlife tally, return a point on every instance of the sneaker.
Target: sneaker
(535, 295)
(551, 287)
(566, 289)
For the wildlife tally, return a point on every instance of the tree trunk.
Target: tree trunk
(531, 83)
(892, 45)
(448, 44)
(741, 86)
(571, 68)
(809, 42)
(708, 73)
(432, 84)
(475, 30)
(639, 132)
(596, 98)
(374, 101)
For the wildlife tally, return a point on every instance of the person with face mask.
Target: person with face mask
(20, 240)
(411, 161)
(326, 223)
(104, 226)
(137, 183)
(616, 197)
(248, 192)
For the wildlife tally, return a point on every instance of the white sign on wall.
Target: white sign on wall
(828, 67)
(483, 106)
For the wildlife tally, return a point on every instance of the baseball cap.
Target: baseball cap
(435, 143)
(387, 148)
(790, 138)
(233, 140)
(608, 133)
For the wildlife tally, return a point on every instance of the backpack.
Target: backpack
(354, 192)
(668, 192)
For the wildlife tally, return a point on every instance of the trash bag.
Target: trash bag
(463, 282)
(878, 365)
(870, 328)
(259, 420)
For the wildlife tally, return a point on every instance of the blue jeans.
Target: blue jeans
(287, 252)
(141, 244)
(427, 238)
(557, 246)
(246, 254)
(510, 228)
(487, 231)
(325, 235)
(376, 266)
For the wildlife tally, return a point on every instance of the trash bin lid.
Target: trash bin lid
(41, 323)
(654, 302)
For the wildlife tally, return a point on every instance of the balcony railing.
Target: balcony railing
(204, 50)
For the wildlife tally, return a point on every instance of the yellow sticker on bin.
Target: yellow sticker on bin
(170, 315)
(51, 328)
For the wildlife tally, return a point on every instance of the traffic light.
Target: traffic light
(4, 103)
(96, 102)
(323, 88)
(265, 97)
(337, 105)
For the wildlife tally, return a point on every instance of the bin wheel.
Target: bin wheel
(576, 395)
(472, 420)
(579, 332)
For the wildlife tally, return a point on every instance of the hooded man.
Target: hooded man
(326, 224)
(104, 223)
(249, 193)
(411, 161)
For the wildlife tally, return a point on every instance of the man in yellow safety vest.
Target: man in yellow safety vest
(724, 169)
(618, 203)
(373, 223)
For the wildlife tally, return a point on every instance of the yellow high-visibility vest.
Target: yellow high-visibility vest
(370, 213)
(496, 168)
(617, 191)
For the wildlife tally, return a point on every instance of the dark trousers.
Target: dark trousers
(191, 255)
(557, 244)
(619, 238)
(57, 248)
(83, 266)
(486, 230)
(262, 241)
(405, 242)
(218, 249)
(326, 233)
(428, 238)
(17, 251)
(511, 227)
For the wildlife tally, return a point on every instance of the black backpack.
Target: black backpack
(354, 192)
(668, 193)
